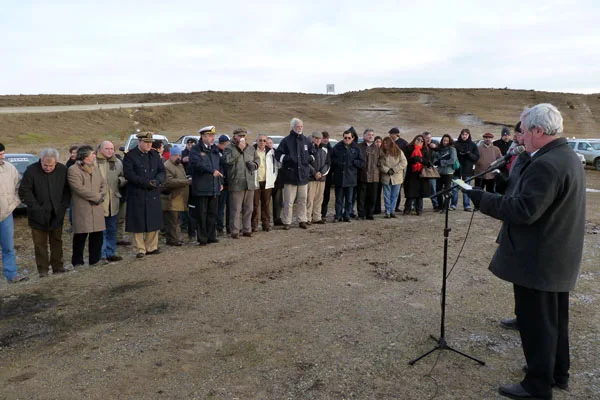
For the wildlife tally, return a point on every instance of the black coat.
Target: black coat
(144, 209)
(468, 154)
(345, 162)
(47, 196)
(543, 221)
(295, 166)
(203, 163)
(414, 185)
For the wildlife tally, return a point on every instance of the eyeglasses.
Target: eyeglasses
(262, 140)
(348, 138)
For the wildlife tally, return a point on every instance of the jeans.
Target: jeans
(343, 201)
(9, 256)
(466, 200)
(433, 190)
(390, 196)
(109, 244)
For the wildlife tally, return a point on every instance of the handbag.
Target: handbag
(456, 164)
(429, 173)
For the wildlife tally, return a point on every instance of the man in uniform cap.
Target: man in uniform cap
(207, 182)
(145, 173)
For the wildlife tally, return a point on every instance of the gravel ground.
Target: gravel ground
(332, 312)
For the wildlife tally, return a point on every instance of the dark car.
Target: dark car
(21, 162)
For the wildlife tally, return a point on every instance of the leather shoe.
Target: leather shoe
(140, 255)
(561, 386)
(516, 391)
(287, 227)
(320, 222)
(235, 236)
(153, 252)
(303, 225)
(510, 323)
(114, 258)
(247, 234)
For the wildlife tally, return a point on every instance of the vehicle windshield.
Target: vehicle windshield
(21, 163)
(595, 145)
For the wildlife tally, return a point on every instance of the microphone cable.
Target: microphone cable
(463, 245)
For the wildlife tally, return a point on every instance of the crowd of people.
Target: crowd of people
(539, 196)
(226, 186)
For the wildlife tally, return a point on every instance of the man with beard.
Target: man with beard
(174, 196)
(540, 249)
(207, 182)
(295, 153)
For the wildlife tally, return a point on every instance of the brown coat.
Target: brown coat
(176, 188)
(370, 173)
(87, 194)
(487, 155)
(112, 171)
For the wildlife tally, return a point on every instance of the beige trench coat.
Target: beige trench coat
(176, 190)
(397, 164)
(87, 194)
(112, 172)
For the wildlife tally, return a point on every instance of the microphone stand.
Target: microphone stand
(442, 344)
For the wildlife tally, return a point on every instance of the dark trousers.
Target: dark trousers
(398, 202)
(543, 319)
(172, 228)
(41, 240)
(418, 203)
(262, 206)
(367, 193)
(326, 198)
(378, 199)
(222, 216)
(343, 201)
(485, 184)
(445, 182)
(206, 216)
(277, 203)
(94, 247)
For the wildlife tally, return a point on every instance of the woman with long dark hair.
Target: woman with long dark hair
(415, 187)
(445, 158)
(392, 163)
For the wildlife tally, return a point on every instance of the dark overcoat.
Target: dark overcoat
(295, 166)
(203, 163)
(415, 186)
(541, 240)
(144, 210)
(468, 154)
(47, 196)
(346, 161)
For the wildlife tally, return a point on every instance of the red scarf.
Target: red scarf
(417, 167)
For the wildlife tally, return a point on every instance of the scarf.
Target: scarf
(417, 167)
(89, 168)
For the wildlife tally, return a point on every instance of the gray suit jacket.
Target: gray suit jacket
(541, 241)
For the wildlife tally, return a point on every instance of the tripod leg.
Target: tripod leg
(437, 347)
(465, 355)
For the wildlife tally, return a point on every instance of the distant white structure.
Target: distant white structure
(330, 88)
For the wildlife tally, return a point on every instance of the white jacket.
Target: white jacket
(9, 182)
(272, 168)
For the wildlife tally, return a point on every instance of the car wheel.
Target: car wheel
(597, 164)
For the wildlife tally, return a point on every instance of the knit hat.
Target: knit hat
(224, 139)
(394, 131)
(175, 151)
(505, 131)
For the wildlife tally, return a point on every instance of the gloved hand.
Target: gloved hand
(153, 183)
(391, 171)
(418, 159)
(475, 195)
(251, 166)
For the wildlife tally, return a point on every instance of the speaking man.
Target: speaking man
(540, 248)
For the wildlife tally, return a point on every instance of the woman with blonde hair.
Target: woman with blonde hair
(392, 163)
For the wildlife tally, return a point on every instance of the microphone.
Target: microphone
(503, 160)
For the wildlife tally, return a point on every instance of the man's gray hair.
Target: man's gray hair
(544, 116)
(295, 122)
(49, 153)
(368, 130)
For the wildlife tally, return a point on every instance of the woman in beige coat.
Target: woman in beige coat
(88, 189)
(392, 163)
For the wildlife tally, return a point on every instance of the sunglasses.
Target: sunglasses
(262, 140)
(348, 138)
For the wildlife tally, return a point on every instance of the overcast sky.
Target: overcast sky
(125, 46)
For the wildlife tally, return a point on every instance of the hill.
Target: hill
(413, 110)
